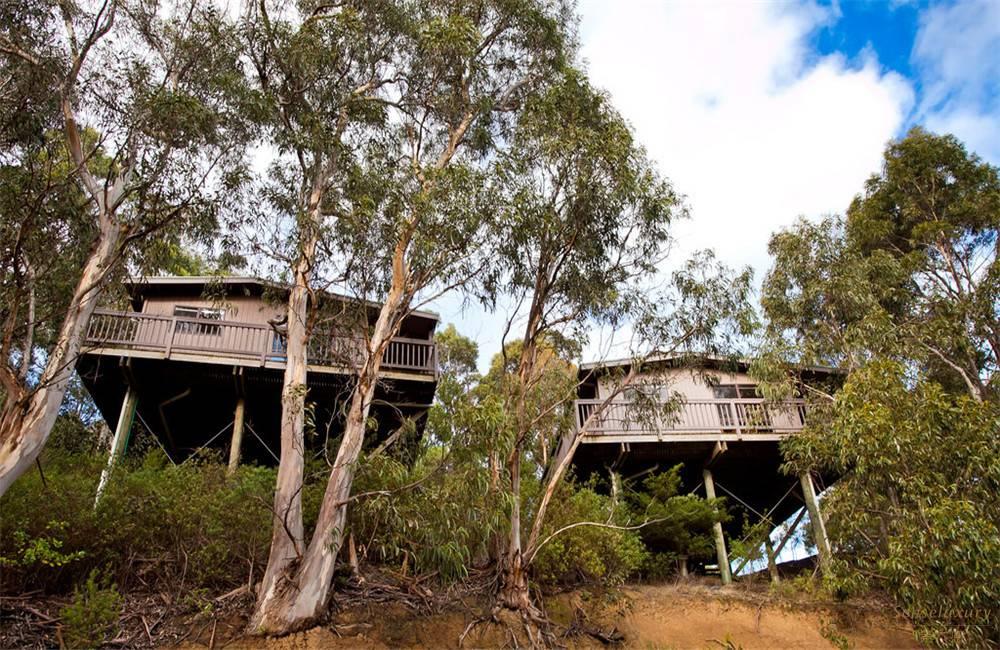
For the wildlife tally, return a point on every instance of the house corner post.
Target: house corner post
(119, 442)
(236, 443)
(823, 549)
(720, 540)
(772, 560)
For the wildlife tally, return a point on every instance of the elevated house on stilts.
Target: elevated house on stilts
(198, 363)
(713, 420)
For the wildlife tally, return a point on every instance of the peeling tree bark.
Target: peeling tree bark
(287, 534)
(27, 417)
(298, 600)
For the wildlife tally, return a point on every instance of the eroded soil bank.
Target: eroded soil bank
(684, 615)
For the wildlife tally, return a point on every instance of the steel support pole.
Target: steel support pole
(236, 443)
(720, 541)
(816, 518)
(120, 440)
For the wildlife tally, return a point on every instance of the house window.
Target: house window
(735, 391)
(200, 314)
(747, 415)
(652, 392)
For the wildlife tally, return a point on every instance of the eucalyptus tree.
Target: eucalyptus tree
(903, 295)
(130, 134)
(406, 220)
(321, 72)
(585, 227)
(911, 273)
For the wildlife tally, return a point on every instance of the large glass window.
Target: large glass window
(752, 415)
(200, 314)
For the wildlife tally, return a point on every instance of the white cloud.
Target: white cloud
(957, 55)
(740, 114)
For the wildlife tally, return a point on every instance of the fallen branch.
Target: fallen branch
(590, 523)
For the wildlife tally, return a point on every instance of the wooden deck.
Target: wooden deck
(239, 343)
(692, 420)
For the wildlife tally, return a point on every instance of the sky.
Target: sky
(759, 113)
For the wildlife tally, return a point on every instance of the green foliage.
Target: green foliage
(582, 206)
(92, 617)
(916, 511)
(440, 524)
(828, 630)
(44, 550)
(912, 272)
(439, 512)
(683, 521)
(156, 524)
(587, 554)
(903, 295)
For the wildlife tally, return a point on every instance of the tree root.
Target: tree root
(581, 625)
(529, 628)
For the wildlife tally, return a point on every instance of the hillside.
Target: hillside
(692, 615)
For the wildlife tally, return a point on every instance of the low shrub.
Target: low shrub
(92, 617)
(433, 516)
(587, 553)
(156, 525)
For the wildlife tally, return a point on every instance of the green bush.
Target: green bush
(156, 524)
(92, 617)
(587, 554)
(433, 516)
(44, 550)
(914, 513)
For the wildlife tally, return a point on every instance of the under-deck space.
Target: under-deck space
(190, 406)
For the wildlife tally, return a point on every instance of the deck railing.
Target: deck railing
(169, 334)
(740, 416)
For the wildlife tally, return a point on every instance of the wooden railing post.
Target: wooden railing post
(170, 338)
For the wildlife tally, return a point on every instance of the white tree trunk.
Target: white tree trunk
(26, 422)
(287, 534)
(307, 593)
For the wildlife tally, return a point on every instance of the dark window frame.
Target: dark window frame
(207, 314)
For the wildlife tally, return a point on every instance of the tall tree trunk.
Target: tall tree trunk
(307, 597)
(26, 420)
(514, 592)
(513, 576)
(287, 534)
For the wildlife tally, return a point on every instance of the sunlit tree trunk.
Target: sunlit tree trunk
(287, 535)
(514, 592)
(27, 416)
(306, 597)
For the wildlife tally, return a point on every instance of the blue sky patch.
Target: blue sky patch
(887, 28)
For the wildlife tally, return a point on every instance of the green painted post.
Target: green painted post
(720, 541)
(119, 443)
(816, 519)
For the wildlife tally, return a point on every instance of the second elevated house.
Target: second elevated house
(711, 418)
(198, 362)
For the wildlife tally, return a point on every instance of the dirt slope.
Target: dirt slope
(676, 616)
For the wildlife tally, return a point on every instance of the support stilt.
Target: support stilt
(720, 540)
(683, 561)
(816, 517)
(236, 443)
(120, 440)
(772, 560)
